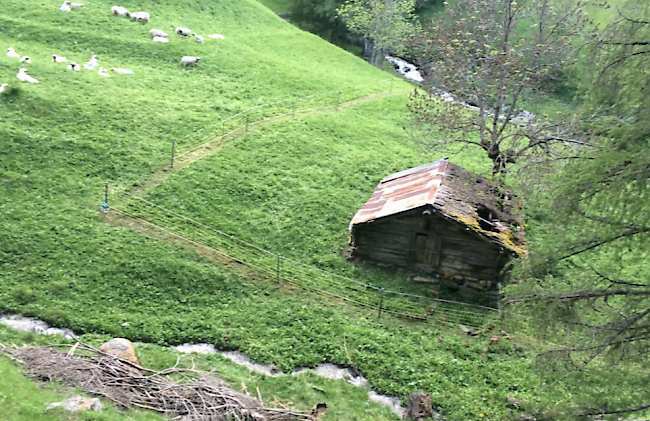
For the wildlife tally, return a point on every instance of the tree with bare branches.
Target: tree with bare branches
(483, 58)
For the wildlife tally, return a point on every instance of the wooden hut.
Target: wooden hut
(443, 220)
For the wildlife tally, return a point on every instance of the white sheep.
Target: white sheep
(65, 7)
(59, 59)
(158, 33)
(2, 87)
(73, 66)
(120, 11)
(24, 77)
(186, 32)
(92, 63)
(189, 61)
(160, 39)
(140, 17)
(76, 5)
(25, 59)
(198, 37)
(102, 72)
(122, 71)
(12, 53)
(216, 36)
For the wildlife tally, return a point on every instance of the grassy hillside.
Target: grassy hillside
(292, 187)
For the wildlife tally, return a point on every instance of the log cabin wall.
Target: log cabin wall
(433, 244)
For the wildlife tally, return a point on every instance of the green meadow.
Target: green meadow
(291, 187)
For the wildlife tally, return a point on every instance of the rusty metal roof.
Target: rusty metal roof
(454, 193)
(403, 191)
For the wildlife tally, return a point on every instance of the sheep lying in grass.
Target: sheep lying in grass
(92, 63)
(158, 33)
(190, 61)
(160, 39)
(65, 7)
(186, 32)
(198, 37)
(102, 72)
(3, 87)
(25, 59)
(122, 71)
(120, 11)
(12, 53)
(76, 5)
(59, 59)
(24, 77)
(140, 17)
(73, 66)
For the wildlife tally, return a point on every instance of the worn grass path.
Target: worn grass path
(199, 152)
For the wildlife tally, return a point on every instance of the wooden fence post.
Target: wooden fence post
(278, 270)
(338, 100)
(247, 117)
(173, 148)
(381, 303)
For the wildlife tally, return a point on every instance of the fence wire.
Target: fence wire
(287, 271)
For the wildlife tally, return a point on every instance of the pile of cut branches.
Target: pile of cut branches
(184, 394)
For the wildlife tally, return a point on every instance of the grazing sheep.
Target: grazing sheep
(76, 5)
(2, 87)
(216, 36)
(120, 11)
(65, 7)
(186, 32)
(158, 33)
(24, 77)
(92, 63)
(102, 72)
(25, 59)
(12, 53)
(73, 66)
(189, 61)
(122, 71)
(198, 37)
(59, 59)
(160, 39)
(140, 17)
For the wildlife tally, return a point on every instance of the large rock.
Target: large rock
(78, 403)
(121, 348)
(420, 406)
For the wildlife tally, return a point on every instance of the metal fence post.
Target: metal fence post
(293, 108)
(247, 118)
(278, 271)
(223, 127)
(338, 100)
(106, 192)
(381, 303)
(173, 148)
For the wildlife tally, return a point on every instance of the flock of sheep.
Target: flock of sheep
(157, 35)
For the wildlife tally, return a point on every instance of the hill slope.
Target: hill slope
(63, 138)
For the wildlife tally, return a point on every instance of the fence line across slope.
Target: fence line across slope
(268, 252)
